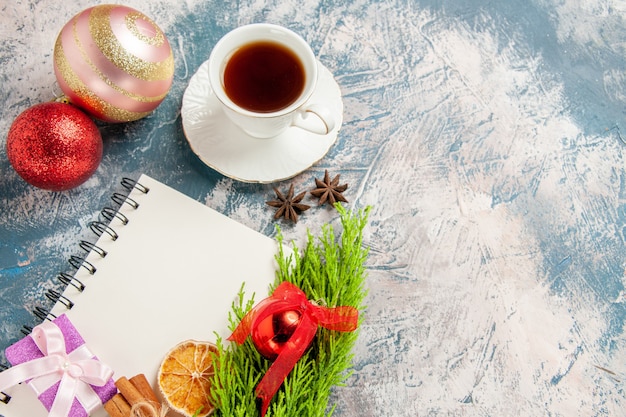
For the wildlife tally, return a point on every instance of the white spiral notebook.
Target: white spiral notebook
(171, 274)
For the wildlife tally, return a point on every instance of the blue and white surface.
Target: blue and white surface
(487, 138)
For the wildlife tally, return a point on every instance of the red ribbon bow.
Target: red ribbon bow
(288, 297)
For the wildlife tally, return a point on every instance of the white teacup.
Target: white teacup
(295, 108)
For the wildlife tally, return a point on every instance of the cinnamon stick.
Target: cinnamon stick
(117, 406)
(129, 391)
(143, 386)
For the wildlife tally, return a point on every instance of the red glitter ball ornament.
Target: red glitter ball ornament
(54, 146)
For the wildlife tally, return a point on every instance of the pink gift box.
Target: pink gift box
(26, 350)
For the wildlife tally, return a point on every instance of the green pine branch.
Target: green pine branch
(331, 271)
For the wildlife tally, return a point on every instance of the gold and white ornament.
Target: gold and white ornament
(113, 62)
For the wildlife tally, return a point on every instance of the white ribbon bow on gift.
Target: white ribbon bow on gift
(75, 371)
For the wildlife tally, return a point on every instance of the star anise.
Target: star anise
(288, 206)
(329, 190)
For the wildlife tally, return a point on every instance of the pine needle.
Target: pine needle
(330, 269)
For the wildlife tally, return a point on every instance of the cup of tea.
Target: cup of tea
(264, 75)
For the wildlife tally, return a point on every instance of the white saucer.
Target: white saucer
(229, 150)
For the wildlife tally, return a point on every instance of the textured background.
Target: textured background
(486, 137)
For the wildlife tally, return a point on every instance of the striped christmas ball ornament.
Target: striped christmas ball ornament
(113, 62)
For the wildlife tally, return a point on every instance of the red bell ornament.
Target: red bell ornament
(270, 334)
(282, 328)
(54, 146)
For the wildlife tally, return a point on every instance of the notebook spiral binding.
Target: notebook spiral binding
(98, 227)
(5, 398)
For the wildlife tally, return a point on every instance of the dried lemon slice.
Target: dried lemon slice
(185, 378)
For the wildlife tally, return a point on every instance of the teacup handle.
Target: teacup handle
(315, 118)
